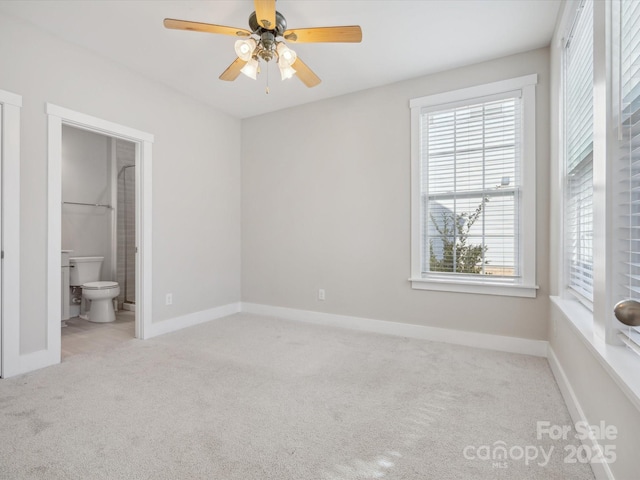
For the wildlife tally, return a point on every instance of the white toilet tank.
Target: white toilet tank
(84, 270)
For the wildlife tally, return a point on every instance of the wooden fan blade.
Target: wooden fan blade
(233, 70)
(205, 27)
(266, 13)
(349, 34)
(305, 74)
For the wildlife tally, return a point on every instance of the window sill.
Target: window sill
(618, 361)
(469, 286)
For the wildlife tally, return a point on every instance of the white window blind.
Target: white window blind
(470, 188)
(629, 199)
(579, 153)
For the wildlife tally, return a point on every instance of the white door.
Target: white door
(1, 247)
(10, 104)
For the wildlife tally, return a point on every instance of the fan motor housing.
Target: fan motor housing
(279, 29)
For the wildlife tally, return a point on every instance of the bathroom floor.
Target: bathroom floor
(82, 336)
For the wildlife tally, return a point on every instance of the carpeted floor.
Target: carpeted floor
(257, 398)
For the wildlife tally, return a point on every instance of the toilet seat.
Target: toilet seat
(100, 285)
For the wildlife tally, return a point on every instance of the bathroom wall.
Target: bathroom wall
(86, 174)
(125, 153)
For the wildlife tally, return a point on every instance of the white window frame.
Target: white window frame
(597, 211)
(598, 313)
(525, 285)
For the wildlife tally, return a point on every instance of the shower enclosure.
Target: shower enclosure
(126, 226)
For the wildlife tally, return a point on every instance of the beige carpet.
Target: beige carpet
(249, 397)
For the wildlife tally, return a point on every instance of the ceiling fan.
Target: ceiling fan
(265, 40)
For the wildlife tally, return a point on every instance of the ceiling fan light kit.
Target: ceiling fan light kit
(244, 48)
(266, 41)
(287, 72)
(251, 69)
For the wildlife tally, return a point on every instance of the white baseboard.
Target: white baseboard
(600, 470)
(470, 339)
(184, 321)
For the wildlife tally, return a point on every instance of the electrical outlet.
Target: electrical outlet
(169, 300)
(321, 295)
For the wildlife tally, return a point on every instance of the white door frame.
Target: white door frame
(57, 116)
(10, 104)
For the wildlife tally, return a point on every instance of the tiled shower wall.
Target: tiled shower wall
(126, 227)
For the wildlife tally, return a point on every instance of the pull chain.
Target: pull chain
(267, 89)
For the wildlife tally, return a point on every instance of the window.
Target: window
(604, 39)
(628, 83)
(578, 95)
(601, 107)
(473, 189)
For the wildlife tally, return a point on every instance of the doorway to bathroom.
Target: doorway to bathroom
(98, 241)
(100, 205)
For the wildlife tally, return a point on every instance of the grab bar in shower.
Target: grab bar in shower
(88, 204)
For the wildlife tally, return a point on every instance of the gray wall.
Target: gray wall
(196, 173)
(86, 178)
(326, 204)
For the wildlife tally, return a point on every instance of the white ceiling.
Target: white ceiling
(401, 39)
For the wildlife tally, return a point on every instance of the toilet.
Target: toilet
(85, 272)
